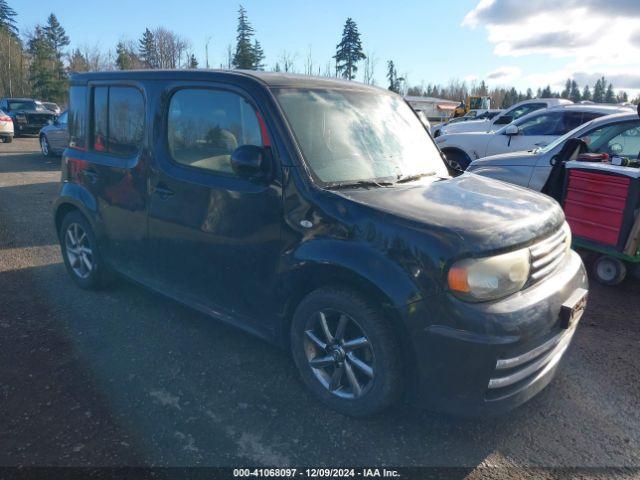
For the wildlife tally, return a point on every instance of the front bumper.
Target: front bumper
(473, 359)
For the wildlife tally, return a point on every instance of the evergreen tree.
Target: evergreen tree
(599, 90)
(610, 96)
(567, 89)
(586, 93)
(56, 35)
(349, 51)
(147, 50)
(244, 57)
(78, 62)
(546, 92)
(392, 76)
(193, 62)
(42, 70)
(574, 93)
(622, 97)
(126, 58)
(529, 94)
(7, 18)
(258, 56)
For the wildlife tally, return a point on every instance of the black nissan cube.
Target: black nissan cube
(319, 215)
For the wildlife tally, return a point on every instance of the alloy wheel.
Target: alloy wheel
(78, 250)
(339, 354)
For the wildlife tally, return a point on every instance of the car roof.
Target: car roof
(269, 79)
(595, 108)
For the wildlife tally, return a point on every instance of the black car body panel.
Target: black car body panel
(246, 250)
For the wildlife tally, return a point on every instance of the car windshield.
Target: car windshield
(22, 105)
(349, 136)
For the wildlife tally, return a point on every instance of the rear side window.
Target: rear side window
(206, 126)
(77, 117)
(544, 124)
(118, 120)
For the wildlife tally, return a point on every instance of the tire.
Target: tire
(609, 270)
(89, 272)
(457, 159)
(380, 384)
(7, 139)
(45, 147)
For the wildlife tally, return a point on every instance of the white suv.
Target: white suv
(534, 130)
(504, 118)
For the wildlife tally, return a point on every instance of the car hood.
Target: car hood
(30, 112)
(486, 214)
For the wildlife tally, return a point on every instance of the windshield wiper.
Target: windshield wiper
(361, 184)
(411, 178)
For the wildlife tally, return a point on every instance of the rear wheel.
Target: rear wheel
(80, 252)
(346, 351)
(609, 270)
(7, 139)
(457, 159)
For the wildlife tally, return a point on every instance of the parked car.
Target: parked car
(319, 214)
(54, 138)
(52, 107)
(617, 134)
(504, 118)
(534, 130)
(6, 128)
(27, 116)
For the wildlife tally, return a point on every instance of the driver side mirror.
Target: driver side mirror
(504, 120)
(247, 160)
(512, 130)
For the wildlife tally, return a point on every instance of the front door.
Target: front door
(214, 236)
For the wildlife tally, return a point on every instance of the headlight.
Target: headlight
(490, 278)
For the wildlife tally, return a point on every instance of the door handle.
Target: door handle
(163, 191)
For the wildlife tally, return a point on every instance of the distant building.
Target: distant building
(436, 109)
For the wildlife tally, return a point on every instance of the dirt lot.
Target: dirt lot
(126, 377)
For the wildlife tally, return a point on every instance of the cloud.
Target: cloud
(504, 74)
(594, 37)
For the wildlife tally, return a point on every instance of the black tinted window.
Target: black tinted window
(118, 120)
(100, 111)
(544, 124)
(206, 126)
(571, 121)
(77, 116)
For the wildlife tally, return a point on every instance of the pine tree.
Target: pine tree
(586, 93)
(567, 89)
(193, 62)
(147, 50)
(56, 35)
(392, 76)
(574, 92)
(126, 58)
(599, 90)
(258, 56)
(7, 18)
(244, 56)
(78, 62)
(622, 97)
(610, 96)
(42, 68)
(529, 94)
(546, 92)
(349, 51)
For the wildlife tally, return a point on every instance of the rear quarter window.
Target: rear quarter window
(77, 116)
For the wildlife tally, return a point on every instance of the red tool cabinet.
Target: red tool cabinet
(600, 201)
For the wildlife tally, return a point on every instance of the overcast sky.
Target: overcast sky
(526, 43)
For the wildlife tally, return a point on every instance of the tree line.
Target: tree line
(37, 63)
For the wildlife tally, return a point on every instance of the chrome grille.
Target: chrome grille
(547, 255)
(539, 360)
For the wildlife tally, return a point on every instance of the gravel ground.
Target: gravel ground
(127, 377)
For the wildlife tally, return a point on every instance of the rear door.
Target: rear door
(214, 236)
(57, 134)
(114, 170)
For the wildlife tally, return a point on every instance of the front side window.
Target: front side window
(551, 123)
(522, 110)
(77, 116)
(616, 139)
(348, 136)
(22, 105)
(118, 120)
(205, 126)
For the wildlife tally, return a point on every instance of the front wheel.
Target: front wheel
(457, 159)
(7, 139)
(45, 148)
(347, 352)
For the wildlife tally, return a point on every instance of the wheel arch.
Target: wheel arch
(73, 197)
